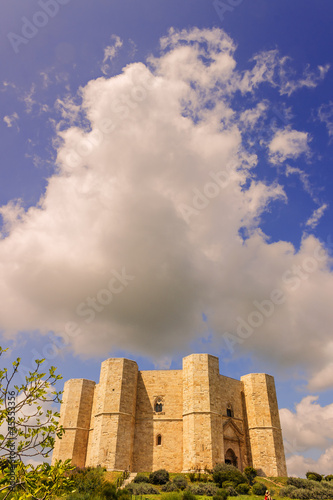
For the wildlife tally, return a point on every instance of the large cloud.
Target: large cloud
(309, 428)
(155, 186)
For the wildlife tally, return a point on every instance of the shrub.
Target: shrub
(258, 489)
(124, 494)
(250, 473)
(311, 485)
(191, 476)
(203, 489)
(243, 488)
(220, 495)
(314, 476)
(287, 491)
(188, 495)
(326, 484)
(329, 477)
(226, 484)
(297, 482)
(169, 487)
(302, 494)
(142, 489)
(231, 491)
(109, 491)
(160, 476)
(87, 479)
(141, 478)
(322, 490)
(180, 482)
(226, 472)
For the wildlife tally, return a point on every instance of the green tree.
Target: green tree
(30, 432)
(250, 474)
(314, 476)
(40, 482)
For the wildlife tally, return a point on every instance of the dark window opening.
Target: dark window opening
(158, 407)
(230, 412)
(159, 440)
(231, 458)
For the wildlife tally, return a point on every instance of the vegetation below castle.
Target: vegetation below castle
(223, 482)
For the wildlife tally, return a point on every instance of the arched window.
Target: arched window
(159, 440)
(158, 405)
(230, 412)
(230, 458)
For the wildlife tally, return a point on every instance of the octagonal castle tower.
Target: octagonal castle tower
(179, 420)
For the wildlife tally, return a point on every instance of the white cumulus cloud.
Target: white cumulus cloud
(138, 232)
(288, 143)
(309, 427)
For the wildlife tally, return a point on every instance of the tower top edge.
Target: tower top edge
(255, 374)
(201, 354)
(80, 380)
(119, 359)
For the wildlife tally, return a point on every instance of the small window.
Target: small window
(158, 406)
(230, 412)
(159, 440)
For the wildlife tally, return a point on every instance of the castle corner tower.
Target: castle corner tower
(264, 429)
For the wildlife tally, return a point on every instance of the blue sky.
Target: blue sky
(166, 187)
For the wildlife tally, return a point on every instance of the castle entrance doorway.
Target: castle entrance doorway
(230, 457)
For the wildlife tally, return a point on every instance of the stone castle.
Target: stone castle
(179, 420)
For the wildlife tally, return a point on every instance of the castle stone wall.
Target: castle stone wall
(148, 454)
(203, 418)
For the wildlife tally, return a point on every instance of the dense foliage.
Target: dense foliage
(303, 489)
(243, 488)
(40, 482)
(141, 478)
(203, 489)
(226, 472)
(258, 489)
(220, 495)
(87, 479)
(142, 489)
(314, 476)
(188, 495)
(160, 476)
(231, 491)
(180, 482)
(250, 474)
(169, 487)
